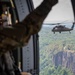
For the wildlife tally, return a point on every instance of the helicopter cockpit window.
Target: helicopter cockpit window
(57, 40)
(7, 13)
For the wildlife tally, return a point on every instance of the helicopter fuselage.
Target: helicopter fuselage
(61, 29)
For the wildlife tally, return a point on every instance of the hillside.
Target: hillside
(50, 45)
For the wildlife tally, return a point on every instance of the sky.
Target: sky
(61, 12)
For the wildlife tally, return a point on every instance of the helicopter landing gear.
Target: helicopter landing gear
(54, 32)
(69, 32)
(59, 32)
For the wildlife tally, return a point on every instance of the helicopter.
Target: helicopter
(61, 28)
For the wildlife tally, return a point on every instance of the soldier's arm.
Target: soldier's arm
(20, 33)
(33, 22)
(36, 17)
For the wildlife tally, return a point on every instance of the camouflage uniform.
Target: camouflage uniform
(19, 34)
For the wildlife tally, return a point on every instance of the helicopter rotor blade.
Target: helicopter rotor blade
(52, 23)
(63, 23)
(48, 24)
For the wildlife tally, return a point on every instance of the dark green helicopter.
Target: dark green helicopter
(61, 28)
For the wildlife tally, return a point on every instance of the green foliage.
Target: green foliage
(51, 44)
(56, 71)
